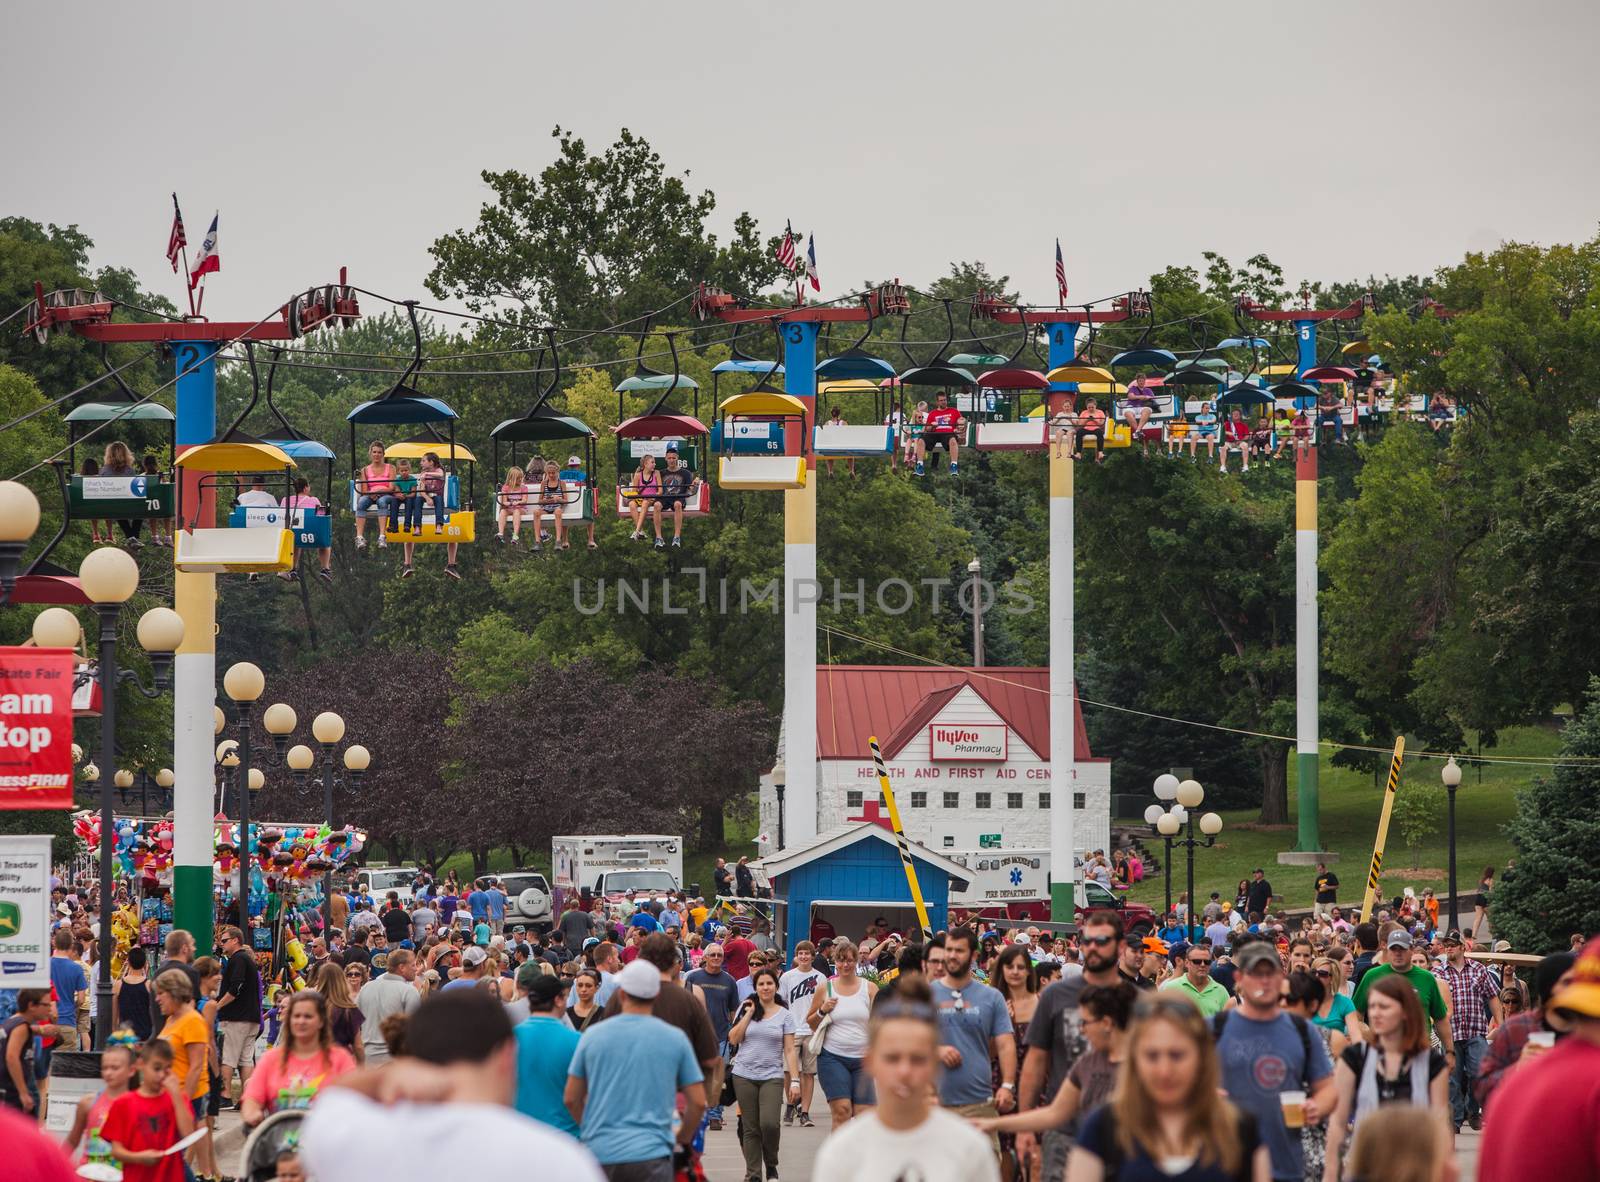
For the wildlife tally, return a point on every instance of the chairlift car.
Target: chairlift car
(260, 543)
(313, 527)
(543, 423)
(403, 404)
(132, 497)
(660, 429)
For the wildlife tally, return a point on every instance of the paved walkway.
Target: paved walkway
(797, 1150)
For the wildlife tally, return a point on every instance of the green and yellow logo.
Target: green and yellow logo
(10, 918)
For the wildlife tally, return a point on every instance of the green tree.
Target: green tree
(595, 239)
(1417, 810)
(1556, 889)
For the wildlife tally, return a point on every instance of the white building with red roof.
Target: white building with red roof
(968, 752)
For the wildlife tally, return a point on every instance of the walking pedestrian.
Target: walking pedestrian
(238, 1011)
(393, 993)
(1270, 1059)
(1474, 1008)
(1542, 1123)
(545, 1046)
(762, 1039)
(1510, 1044)
(623, 1081)
(442, 1111)
(907, 1135)
(840, 1011)
(974, 1030)
(721, 994)
(1396, 1067)
(1170, 1116)
(797, 987)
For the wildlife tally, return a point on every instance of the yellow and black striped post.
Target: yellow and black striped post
(900, 839)
(1375, 871)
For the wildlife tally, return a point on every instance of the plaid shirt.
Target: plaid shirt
(1471, 987)
(1505, 1049)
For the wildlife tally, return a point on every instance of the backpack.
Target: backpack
(1220, 1020)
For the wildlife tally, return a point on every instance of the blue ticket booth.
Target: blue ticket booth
(851, 876)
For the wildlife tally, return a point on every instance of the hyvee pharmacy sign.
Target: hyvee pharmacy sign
(958, 742)
(35, 728)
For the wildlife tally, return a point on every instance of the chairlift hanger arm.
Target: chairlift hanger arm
(677, 372)
(555, 379)
(255, 391)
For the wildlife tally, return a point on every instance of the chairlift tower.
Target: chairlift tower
(1308, 846)
(194, 343)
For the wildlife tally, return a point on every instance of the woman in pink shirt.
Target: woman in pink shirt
(302, 499)
(305, 1060)
(376, 487)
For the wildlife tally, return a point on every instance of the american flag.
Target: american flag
(811, 263)
(786, 254)
(1061, 276)
(175, 241)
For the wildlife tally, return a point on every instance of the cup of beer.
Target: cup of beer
(1543, 1038)
(1294, 1109)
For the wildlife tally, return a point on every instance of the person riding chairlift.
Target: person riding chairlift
(836, 419)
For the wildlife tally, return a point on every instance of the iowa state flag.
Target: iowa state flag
(208, 260)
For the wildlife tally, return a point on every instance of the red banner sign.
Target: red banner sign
(36, 728)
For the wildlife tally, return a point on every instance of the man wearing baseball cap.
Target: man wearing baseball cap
(1266, 1052)
(472, 962)
(623, 1082)
(1542, 1123)
(545, 1046)
(574, 473)
(1474, 1008)
(1424, 982)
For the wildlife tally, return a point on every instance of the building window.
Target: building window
(1013, 800)
(1080, 801)
(852, 800)
(952, 800)
(983, 800)
(1044, 800)
(883, 801)
(919, 800)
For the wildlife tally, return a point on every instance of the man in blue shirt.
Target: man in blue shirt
(623, 1082)
(974, 1027)
(497, 906)
(478, 904)
(545, 1046)
(643, 918)
(69, 979)
(722, 1002)
(1266, 1052)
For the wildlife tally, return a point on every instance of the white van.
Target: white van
(378, 881)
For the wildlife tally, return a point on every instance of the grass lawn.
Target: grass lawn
(1350, 807)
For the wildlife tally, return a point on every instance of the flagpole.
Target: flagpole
(184, 249)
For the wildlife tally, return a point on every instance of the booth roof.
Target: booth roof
(895, 702)
(848, 835)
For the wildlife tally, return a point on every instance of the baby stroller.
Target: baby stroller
(258, 1161)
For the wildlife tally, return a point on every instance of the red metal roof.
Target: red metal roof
(894, 702)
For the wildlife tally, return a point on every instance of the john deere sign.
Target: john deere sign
(24, 912)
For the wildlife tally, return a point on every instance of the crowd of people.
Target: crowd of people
(615, 1043)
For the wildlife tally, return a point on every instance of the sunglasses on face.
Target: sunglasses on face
(1098, 941)
(1201, 964)
(1325, 974)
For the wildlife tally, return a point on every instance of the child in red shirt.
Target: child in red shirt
(143, 1123)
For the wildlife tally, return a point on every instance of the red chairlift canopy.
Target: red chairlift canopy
(661, 427)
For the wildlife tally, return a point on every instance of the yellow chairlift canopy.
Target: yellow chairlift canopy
(236, 457)
(1278, 371)
(762, 404)
(848, 386)
(1081, 373)
(412, 449)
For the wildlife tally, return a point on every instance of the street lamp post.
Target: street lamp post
(780, 774)
(1451, 775)
(1186, 796)
(327, 729)
(244, 683)
(975, 569)
(109, 578)
(19, 517)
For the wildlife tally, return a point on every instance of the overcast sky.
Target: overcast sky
(1341, 139)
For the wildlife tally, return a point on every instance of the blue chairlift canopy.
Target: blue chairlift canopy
(1153, 358)
(1243, 343)
(747, 365)
(302, 449)
(404, 409)
(854, 364)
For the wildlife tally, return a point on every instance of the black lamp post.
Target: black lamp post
(1451, 775)
(327, 729)
(1187, 796)
(109, 577)
(245, 684)
(779, 774)
(1152, 816)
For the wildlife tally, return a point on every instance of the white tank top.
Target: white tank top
(847, 1033)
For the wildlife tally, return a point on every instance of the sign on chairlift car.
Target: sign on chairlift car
(653, 447)
(273, 515)
(759, 438)
(114, 488)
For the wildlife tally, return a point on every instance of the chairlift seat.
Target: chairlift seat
(697, 503)
(217, 551)
(761, 473)
(577, 503)
(843, 440)
(457, 527)
(1164, 407)
(1028, 435)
